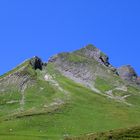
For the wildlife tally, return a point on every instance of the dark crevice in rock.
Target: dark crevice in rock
(36, 63)
(105, 60)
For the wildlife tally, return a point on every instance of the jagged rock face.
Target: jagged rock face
(22, 77)
(15, 81)
(127, 73)
(92, 52)
(84, 65)
(36, 63)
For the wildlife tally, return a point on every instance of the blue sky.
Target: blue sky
(46, 27)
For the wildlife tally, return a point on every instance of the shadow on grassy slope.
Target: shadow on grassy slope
(132, 133)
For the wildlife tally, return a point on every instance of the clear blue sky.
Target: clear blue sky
(46, 27)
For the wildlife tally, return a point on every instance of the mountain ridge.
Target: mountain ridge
(92, 52)
(73, 93)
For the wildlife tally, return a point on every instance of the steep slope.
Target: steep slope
(74, 93)
(84, 65)
(13, 85)
(91, 68)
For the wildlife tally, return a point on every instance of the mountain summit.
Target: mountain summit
(88, 63)
(73, 93)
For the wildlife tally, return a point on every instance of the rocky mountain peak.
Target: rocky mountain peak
(127, 72)
(92, 52)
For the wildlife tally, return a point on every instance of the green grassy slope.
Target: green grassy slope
(132, 133)
(51, 113)
(24, 64)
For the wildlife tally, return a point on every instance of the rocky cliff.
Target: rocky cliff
(88, 63)
(128, 73)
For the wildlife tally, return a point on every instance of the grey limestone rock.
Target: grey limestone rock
(127, 73)
(84, 65)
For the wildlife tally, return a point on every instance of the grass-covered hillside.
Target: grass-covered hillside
(132, 133)
(47, 104)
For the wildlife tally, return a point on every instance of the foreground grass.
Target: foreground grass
(121, 134)
(18, 137)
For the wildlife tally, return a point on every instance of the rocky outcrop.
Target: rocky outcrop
(15, 81)
(138, 80)
(127, 73)
(22, 76)
(36, 63)
(84, 65)
(92, 52)
(53, 59)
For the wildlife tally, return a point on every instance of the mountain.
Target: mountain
(73, 94)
